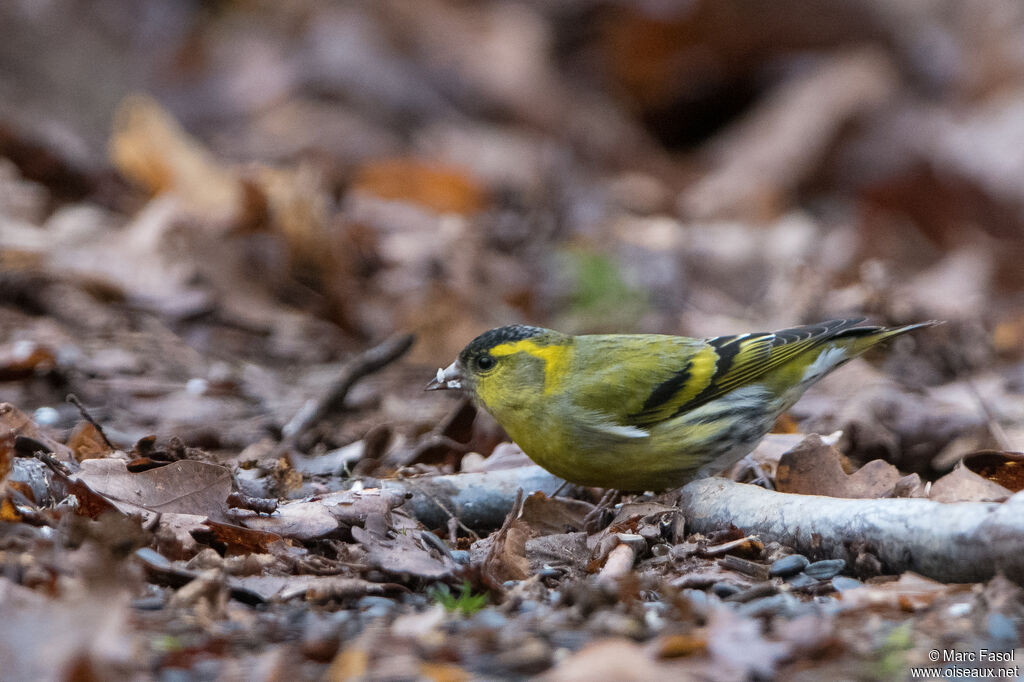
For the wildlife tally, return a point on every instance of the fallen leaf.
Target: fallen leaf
(240, 540)
(6, 455)
(300, 520)
(986, 476)
(174, 537)
(735, 643)
(912, 592)
(547, 515)
(402, 554)
(443, 189)
(151, 148)
(506, 557)
(622, 659)
(20, 361)
(86, 442)
(186, 487)
(309, 520)
(813, 468)
(17, 423)
(1004, 468)
(567, 552)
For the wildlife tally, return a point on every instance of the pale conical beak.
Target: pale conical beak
(447, 378)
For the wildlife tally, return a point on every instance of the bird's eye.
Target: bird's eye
(485, 362)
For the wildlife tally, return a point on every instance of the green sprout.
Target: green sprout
(892, 653)
(466, 602)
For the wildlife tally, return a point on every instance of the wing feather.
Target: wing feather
(665, 376)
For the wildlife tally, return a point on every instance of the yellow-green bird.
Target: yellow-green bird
(647, 411)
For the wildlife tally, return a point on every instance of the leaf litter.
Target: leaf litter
(227, 271)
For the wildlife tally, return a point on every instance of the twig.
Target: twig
(361, 365)
(595, 514)
(49, 460)
(73, 399)
(448, 512)
(260, 505)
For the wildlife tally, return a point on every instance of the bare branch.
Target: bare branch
(952, 542)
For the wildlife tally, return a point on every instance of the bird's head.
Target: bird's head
(505, 366)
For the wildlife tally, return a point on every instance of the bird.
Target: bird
(647, 412)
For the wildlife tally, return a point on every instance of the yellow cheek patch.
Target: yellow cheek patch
(555, 359)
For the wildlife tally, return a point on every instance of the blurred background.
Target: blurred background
(204, 204)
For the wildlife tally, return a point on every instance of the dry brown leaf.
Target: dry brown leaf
(151, 149)
(350, 664)
(736, 645)
(440, 188)
(621, 659)
(16, 423)
(443, 672)
(296, 205)
(506, 557)
(174, 536)
(912, 592)
(813, 468)
(985, 476)
(6, 456)
(545, 515)
(401, 555)
(323, 515)
(86, 442)
(567, 552)
(17, 363)
(1001, 467)
(240, 540)
(185, 487)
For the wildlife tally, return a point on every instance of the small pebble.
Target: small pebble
(660, 550)
(823, 570)
(490, 619)
(415, 600)
(175, 675)
(651, 533)
(801, 581)
(375, 607)
(23, 349)
(786, 605)
(1001, 627)
(527, 605)
(197, 386)
(723, 589)
(843, 583)
(699, 599)
(788, 565)
(46, 416)
(461, 556)
(150, 603)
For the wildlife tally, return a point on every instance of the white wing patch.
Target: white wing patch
(621, 431)
(826, 360)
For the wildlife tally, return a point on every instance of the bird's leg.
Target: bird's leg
(595, 515)
(761, 477)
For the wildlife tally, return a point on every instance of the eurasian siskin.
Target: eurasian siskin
(647, 411)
